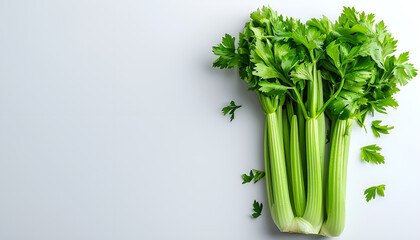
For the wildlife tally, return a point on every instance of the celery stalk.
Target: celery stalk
(313, 211)
(298, 185)
(337, 178)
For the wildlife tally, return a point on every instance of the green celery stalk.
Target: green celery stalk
(268, 179)
(315, 132)
(280, 205)
(337, 178)
(302, 143)
(313, 211)
(286, 141)
(321, 133)
(298, 185)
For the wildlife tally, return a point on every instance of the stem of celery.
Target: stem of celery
(321, 133)
(302, 144)
(313, 212)
(268, 179)
(337, 178)
(283, 114)
(298, 185)
(275, 163)
(281, 204)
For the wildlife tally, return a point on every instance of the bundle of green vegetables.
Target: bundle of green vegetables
(307, 77)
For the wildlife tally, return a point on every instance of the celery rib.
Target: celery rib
(337, 178)
(299, 194)
(313, 211)
(281, 196)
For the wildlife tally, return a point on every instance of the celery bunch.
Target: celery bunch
(305, 76)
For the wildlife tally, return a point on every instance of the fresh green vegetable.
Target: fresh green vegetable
(371, 154)
(308, 76)
(372, 191)
(231, 110)
(377, 129)
(257, 209)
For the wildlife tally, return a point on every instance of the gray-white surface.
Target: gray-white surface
(110, 124)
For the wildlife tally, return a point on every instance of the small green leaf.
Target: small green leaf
(404, 71)
(257, 209)
(231, 110)
(303, 71)
(371, 192)
(246, 178)
(371, 154)
(381, 104)
(272, 88)
(378, 129)
(345, 104)
(254, 174)
(258, 31)
(228, 58)
(258, 175)
(265, 72)
(334, 53)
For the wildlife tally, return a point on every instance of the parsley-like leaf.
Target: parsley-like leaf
(258, 175)
(254, 174)
(404, 71)
(257, 209)
(378, 129)
(263, 58)
(231, 110)
(246, 178)
(371, 154)
(228, 58)
(272, 88)
(345, 105)
(381, 104)
(303, 71)
(372, 191)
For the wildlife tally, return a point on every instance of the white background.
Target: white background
(111, 124)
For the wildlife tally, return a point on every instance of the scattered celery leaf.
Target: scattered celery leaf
(227, 53)
(371, 154)
(257, 209)
(247, 178)
(231, 109)
(372, 191)
(378, 129)
(258, 175)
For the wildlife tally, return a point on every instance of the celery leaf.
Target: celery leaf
(378, 129)
(257, 209)
(258, 175)
(372, 191)
(228, 58)
(254, 174)
(371, 154)
(246, 178)
(231, 110)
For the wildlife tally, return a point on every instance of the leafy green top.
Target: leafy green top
(359, 53)
(278, 55)
(274, 55)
